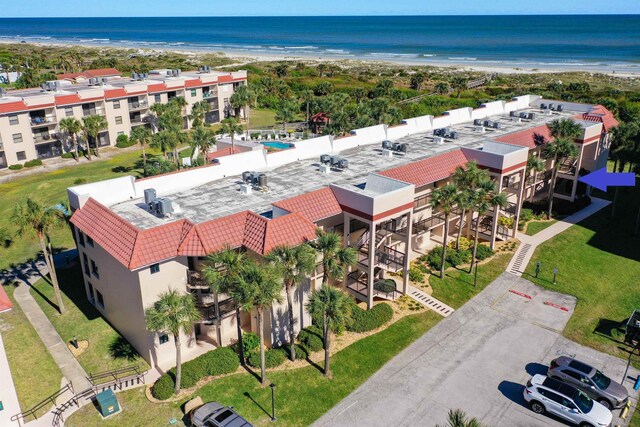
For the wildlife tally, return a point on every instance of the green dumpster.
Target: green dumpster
(107, 403)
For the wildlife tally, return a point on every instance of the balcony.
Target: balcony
(568, 166)
(386, 257)
(511, 185)
(428, 224)
(357, 283)
(39, 121)
(86, 112)
(140, 105)
(210, 94)
(422, 202)
(486, 226)
(196, 281)
(43, 137)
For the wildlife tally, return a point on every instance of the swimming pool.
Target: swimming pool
(277, 144)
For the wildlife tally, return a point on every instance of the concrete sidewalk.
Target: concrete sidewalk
(523, 255)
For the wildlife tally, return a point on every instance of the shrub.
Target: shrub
(80, 181)
(505, 221)
(455, 258)
(273, 357)
(483, 252)
(16, 167)
(526, 215)
(386, 285)
(250, 343)
(69, 155)
(434, 257)
(160, 166)
(33, 163)
(163, 388)
(464, 244)
(368, 320)
(311, 339)
(416, 275)
(301, 352)
(123, 141)
(220, 361)
(192, 372)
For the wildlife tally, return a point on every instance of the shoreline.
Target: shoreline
(242, 57)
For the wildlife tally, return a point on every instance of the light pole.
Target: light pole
(273, 402)
(538, 268)
(555, 275)
(475, 276)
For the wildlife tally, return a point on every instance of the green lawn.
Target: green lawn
(457, 286)
(261, 119)
(534, 227)
(598, 262)
(303, 395)
(107, 349)
(35, 374)
(50, 187)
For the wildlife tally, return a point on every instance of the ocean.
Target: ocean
(584, 40)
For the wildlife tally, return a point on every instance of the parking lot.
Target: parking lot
(479, 360)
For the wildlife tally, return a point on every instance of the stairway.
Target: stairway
(516, 265)
(429, 301)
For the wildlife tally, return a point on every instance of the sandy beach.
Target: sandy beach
(348, 61)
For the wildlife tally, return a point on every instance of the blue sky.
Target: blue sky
(33, 8)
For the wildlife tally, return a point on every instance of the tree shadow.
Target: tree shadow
(248, 395)
(120, 348)
(121, 169)
(251, 371)
(315, 365)
(610, 329)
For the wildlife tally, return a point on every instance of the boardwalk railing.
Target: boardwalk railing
(33, 412)
(117, 378)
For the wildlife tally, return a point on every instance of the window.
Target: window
(118, 120)
(91, 298)
(164, 338)
(121, 133)
(68, 112)
(81, 237)
(17, 138)
(90, 241)
(574, 375)
(193, 92)
(100, 299)
(551, 395)
(157, 99)
(13, 119)
(21, 155)
(94, 269)
(116, 105)
(85, 262)
(155, 268)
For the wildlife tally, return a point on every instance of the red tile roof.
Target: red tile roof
(159, 87)
(115, 93)
(292, 229)
(5, 302)
(214, 235)
(12, 107)
(159, 243)
(428, 170)
(527, 138)
(74, 99)
(314, 206)
(101, 72)
(602, 115)
(194, 83)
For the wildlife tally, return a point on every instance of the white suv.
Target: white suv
(546, 394)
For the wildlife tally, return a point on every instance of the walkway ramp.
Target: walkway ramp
(429, 301)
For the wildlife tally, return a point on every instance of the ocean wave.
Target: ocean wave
(462, 58)
(338, 51)
(302, 47)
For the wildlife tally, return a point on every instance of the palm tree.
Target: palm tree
(262, 288)
(416, 81)
(295, 264)
(165, 141)
(72, 127)
(142, 135)
(335, 258)
(92, 126)
(307, 98)
(198, 112)
(485, 198)
(537, 165)
(201, 139)
(558, 150)
(223, 274)
(459, 83)
(564, 128)
(35, 219)
(457, 418)
(241, 100)
(5, 238)
(446, 199)
(174, 313)
(286, 112)
(466, 179)
(334, 308)
(231, 127)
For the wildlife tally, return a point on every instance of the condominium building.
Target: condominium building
(139, 237)
(29, 118)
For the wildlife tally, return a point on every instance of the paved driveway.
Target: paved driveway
(478, 359)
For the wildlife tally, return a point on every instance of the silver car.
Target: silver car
(546, 394)
(588, 379)
(213, 414)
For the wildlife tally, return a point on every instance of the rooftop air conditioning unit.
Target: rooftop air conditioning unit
(135, 76)
(531, 116)
(543, 106)
(513, 114)
(559, 108)
(163, 207)
(400, 148)
(325, 159)
(149, 197)
(523, 115)
(387, 145)
(3, 92)
(477, 122)
(552, 106)
(497, 125)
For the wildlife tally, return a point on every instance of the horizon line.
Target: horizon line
(325, 16)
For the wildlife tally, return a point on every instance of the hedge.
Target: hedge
(311, 339)
(368, 320)
(273, 357)
(68, 155)
(123, 141)
(33, 163)
(301, 352)
(483, 252)
(220, 361)
(16, 167)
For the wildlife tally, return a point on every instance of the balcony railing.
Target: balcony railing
(43, 121)
(93, 112)
(140, 105)
(210, 94)
(43, 137)
(428, 223)
(568, 166)
(196, 281)
(357, 282)
(422, 202)
(486, 227)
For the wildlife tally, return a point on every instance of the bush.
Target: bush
(506, 221)
(526, 215)
(455, 258)
(434, 257)
(416, 275)
(80, 181)
(160, 166)
(220, 361)
(69, 155)
(273, 357)
(16, 167)
(123, 141)
(483, 252)
(301, 352)
(33, 163)
(163, 388)
(311, 339)
(368, 320)
(250, 343)
(464, 244)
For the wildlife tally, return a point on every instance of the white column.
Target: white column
(405, 276)
(372, 263)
